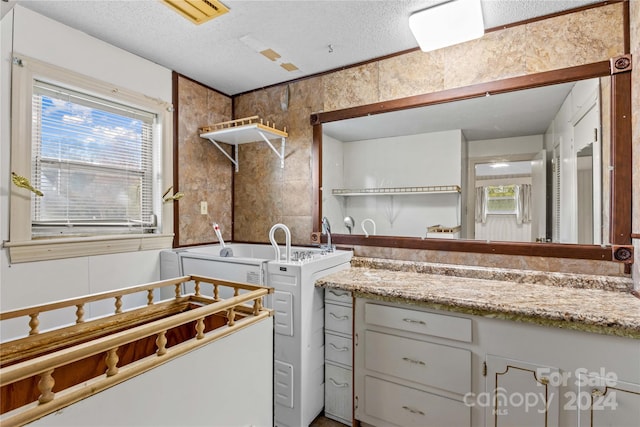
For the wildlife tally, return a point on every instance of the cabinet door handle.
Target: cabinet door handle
(338, 317)
(338, 294)
(418, 322)
(414, 361)
(413, 411)
(335, 347)
(339, 385)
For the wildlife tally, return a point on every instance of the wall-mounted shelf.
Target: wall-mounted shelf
(242, 131)
(396, 191)
(443, 229)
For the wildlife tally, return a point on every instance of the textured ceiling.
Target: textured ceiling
(300, 31)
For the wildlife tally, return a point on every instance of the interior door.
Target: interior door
(588, 152)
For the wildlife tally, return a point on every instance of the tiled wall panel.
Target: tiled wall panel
(204, 173)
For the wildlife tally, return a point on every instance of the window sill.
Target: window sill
(51, 249)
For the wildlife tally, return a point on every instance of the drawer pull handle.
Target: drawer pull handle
(338, 317)
(417, 362)
(418, 322)
(413, 411)
(338, 294)
(335, 347)
(337, 384)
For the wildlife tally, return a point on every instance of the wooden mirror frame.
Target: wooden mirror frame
(619, 249)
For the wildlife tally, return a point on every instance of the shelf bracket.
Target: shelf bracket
(280, 153)
(242, 131)
(234, 161)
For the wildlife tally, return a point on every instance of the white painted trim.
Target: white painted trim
(42, 250)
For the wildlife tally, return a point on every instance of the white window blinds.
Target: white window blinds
(93, 160)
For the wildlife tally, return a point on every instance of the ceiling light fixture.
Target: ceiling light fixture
(197, 11)
(446, 24)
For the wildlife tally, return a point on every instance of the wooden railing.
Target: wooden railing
(157, 332)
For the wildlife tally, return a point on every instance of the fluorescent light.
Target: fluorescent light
(446, 24)
(499, 165)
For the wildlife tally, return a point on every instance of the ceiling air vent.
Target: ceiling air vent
(197, 11)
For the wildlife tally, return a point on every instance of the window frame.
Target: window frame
(514, 198)
(22, 246)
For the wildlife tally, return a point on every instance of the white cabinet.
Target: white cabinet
(338, 355)
(402, 377)
(416, 366)
(521, 393)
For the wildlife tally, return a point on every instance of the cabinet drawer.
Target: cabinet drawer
(405, 406)
(337, 349)
(433, 365)
(339, 296)
(338, 318)
(337, 392)
(437, 325)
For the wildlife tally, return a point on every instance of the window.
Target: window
(93, 160)
(100, 154)
(501, 199)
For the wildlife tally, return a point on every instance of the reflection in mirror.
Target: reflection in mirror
(518, 166)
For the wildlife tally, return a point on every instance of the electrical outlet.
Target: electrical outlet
(203, 208)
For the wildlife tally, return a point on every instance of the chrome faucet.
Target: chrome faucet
(326, 229)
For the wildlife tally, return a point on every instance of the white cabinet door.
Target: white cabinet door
(520, 394)
(606, 402)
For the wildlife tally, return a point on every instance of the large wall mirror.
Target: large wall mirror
(521, 166)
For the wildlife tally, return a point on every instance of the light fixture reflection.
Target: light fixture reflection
(499, 165)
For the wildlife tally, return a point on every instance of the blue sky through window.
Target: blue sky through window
(78, 133)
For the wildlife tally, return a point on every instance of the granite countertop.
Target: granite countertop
(590, 303)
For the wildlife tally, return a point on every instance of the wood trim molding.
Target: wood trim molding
(626, 19)
(547, 78)
(176, 152)
(316, 174)
(553, 250)
(621, 154)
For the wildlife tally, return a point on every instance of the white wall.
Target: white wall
(411, 160)
(506, 146)
(333, 177)
(406, 161)
(33, 35)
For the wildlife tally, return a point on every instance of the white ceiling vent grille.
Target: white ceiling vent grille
(197, 11)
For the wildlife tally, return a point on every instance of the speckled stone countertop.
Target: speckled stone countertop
(589, 303)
